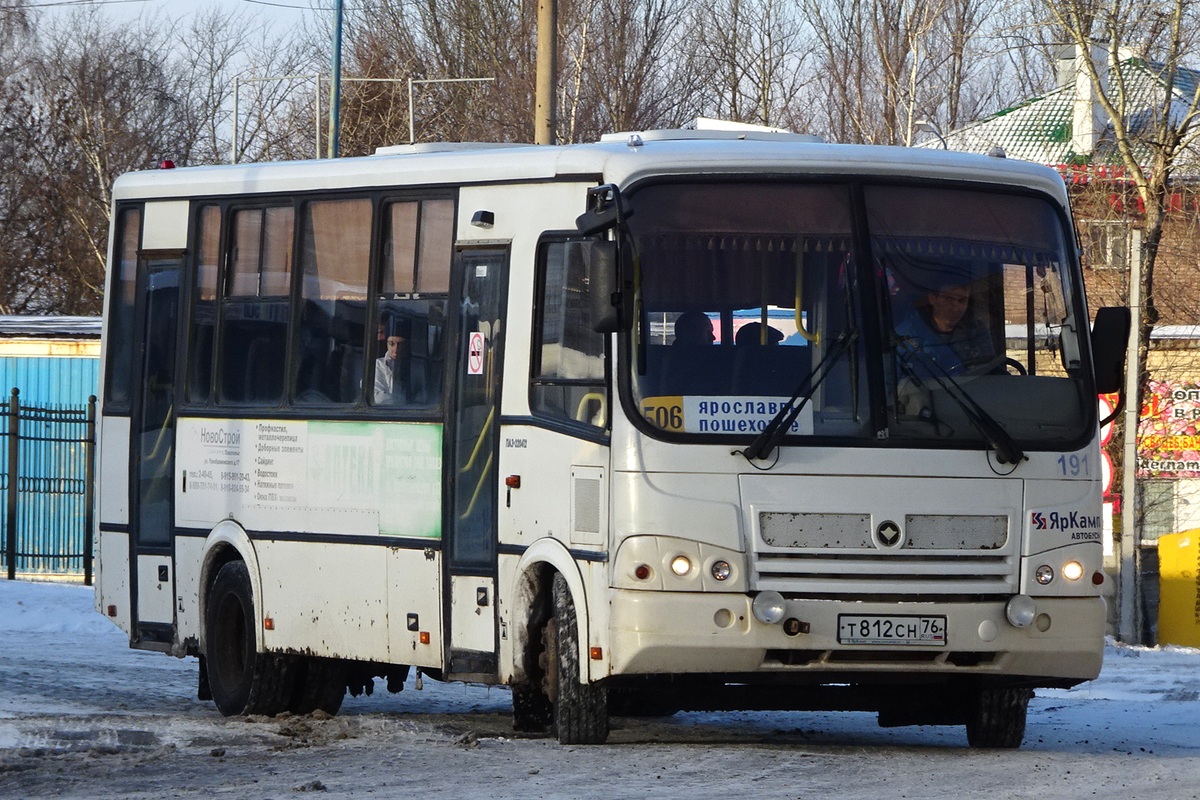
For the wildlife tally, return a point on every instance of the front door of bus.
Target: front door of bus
(153, 451)
(473, 439)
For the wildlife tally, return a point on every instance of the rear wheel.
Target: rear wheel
(320, 686)
(241, 680)
(996, 717)
(580, 709)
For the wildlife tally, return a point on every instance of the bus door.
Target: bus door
(152, 451)
(471, 453)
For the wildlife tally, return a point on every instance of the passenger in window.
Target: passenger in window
(693, 328)
(751, 334)
(945, 331)
(389, 389)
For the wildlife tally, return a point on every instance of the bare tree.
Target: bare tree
(750, 56)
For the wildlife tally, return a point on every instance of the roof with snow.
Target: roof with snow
(1043, 129)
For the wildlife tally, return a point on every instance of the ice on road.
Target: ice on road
(83, 716)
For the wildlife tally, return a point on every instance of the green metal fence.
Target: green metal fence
(48, 479)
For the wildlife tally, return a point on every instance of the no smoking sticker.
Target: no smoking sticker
(475, 354)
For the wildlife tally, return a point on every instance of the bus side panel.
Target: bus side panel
(324, 599)
(189, 559)
(114, 466)
(414, 602)
(563, 495)
(112, 548)
(112, 582)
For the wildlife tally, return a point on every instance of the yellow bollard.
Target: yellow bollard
(1179, 588)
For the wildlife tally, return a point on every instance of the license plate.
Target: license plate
(898, 629)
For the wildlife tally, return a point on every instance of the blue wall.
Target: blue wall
(50, 380)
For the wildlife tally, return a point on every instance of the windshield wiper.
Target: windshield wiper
(779, 425)
(1007, 451)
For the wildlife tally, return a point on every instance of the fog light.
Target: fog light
(769, 607)
(1072, 570)
(1043, 574)
(1020, 611)
(681, 565)
(721, 570)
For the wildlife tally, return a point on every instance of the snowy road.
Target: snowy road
(82, 716)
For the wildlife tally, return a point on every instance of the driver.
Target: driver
(942, 328)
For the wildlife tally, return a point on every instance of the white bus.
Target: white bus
(675, 420)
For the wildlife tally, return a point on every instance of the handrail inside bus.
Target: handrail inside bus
(815, 338)
(487, 424)
(487, 467)
(581, 410)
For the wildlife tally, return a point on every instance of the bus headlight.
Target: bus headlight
(769, 607)
(1072, 570)
(681, 565)
(1044, 574)
(721, 570)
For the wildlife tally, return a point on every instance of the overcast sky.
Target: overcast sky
(282, 11)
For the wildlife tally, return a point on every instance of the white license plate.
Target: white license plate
(891, 629)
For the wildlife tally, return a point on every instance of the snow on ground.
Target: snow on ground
(83, 716)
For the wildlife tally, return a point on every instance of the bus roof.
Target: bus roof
(618, 158)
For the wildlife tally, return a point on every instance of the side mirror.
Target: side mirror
(1110, 341)
(604, 291)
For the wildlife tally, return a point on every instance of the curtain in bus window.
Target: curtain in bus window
(204, 304)
(400, 248)
(569, 380)
(437, 245)
(255, 311)
(121, 307)
(335, 241)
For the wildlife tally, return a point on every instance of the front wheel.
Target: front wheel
(580, 708)
(996, 717)
(241, 680)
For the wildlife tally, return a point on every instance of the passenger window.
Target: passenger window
(408, 359)
(255, 312)
(335, 248)
(204, 305)
(569, 356)
(124, 296)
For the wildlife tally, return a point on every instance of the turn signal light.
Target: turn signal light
(268, 623)
(424, 637)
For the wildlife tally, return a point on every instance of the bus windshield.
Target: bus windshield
(959, 326)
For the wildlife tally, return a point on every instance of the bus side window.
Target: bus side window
(202, 334)
(568, 381)
(121, 305)
(335, 250)
(255, 312)
(408, 359)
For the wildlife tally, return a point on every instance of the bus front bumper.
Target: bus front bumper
(657, 633)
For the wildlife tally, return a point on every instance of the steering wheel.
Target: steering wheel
(999, 365)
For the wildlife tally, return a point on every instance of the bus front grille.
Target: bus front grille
(836, 574)
(849, 554)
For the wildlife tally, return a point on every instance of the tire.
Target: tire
(580, 709)
(532, 710)
(320, 685)
(242, 680)
(996, 717)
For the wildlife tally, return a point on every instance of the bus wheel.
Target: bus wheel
(532, 711)
(996, 717)
(580, 709)
(320, 685)
(242, 680)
